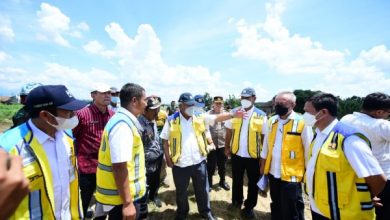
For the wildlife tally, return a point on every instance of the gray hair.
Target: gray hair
(291, 95)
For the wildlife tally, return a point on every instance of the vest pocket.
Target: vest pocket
(256, 124)
(332, 158)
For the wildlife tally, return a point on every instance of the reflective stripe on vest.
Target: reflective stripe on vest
(255, 128)
(106, 189)
(345, 195)
(292, 149)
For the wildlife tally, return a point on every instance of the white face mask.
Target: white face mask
(309, 119)
(190, 111)
(246, 103)
(66, 123)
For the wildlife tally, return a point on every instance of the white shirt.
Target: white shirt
(378, 132)
(121, 139)
(356, 151)
(58, 153)
(306, 136)
(190, 154)
(243, 143)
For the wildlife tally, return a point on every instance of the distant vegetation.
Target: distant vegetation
(7, 111)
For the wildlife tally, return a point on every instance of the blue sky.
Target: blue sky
(172, 46)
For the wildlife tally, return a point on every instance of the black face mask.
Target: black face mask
(281, 109)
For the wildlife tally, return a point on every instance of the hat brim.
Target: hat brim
(192, 102)
(155, 107)
(201, 105)
(246, 95)
(73, 105)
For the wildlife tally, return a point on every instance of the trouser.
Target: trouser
(252, 168)
(287, 200)
(181, 178)
(214, 158)
(384, 212)
(115, 213)
(87, 188)
(316, 216)
(153, 179)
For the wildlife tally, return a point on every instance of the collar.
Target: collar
(328, 129)
(96, 110)
(41, 136)
(132, 117)
(184, 119)
(146, 120)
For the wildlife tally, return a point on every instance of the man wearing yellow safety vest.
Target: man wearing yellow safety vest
(185, 148)
(283, 158)
(342, 175)
(46, 145)
(244, 137)
(120, 176)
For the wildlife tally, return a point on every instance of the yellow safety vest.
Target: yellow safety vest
(254, 133)
(39, 203)
(293, 151)
(337, 191)
(106, 189)
(175, 142)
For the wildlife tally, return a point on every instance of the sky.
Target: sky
(221, 47)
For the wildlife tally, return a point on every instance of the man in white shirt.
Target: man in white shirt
(185, 148)
(373, 122)
(342, 174)
(243, 142)
(283, 158)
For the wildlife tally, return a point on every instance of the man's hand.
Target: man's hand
(128, 211)
(14, 186)
(377, 202)
(169, 161)
(211, 147)
(227, 152)
(240, 114)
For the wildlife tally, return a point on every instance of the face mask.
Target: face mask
(309, 119)
(281, 110)
(114, 99)
(246, 103)
(199, 110)
(65, 123)
(190, 111)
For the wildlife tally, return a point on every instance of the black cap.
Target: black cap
(218, 99)
(56, 96)
(187, 99)
(153, 102)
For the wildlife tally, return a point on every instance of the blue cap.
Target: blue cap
(187, 99)
(56, 96)
(199, 101)
(248, 92)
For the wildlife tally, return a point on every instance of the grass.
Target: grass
(7, 111)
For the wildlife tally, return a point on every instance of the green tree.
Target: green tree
(207, 100)
(302, 97)
(349, 105)
(232, 101)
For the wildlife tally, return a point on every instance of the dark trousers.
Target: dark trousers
(181, 177)
(214, 158)
(384, 212)
(115, 213)
(252, 168)
(316, 216)
(153, 179)
(287, 201)
(87, 188)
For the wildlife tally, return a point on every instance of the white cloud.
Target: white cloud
(3, 56)
(55, 25)
(140, 61)
(6, 30)
(292, 54)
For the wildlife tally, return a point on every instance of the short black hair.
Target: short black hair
(376, 101)
(128, 92)
(325, 101)
(34, 112)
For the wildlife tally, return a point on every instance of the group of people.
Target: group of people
(63, 151)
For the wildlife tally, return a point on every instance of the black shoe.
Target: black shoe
(235, 205)
(157, 202)
(224, 185)
(247, 213)
(89, 214)
(208, 216)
